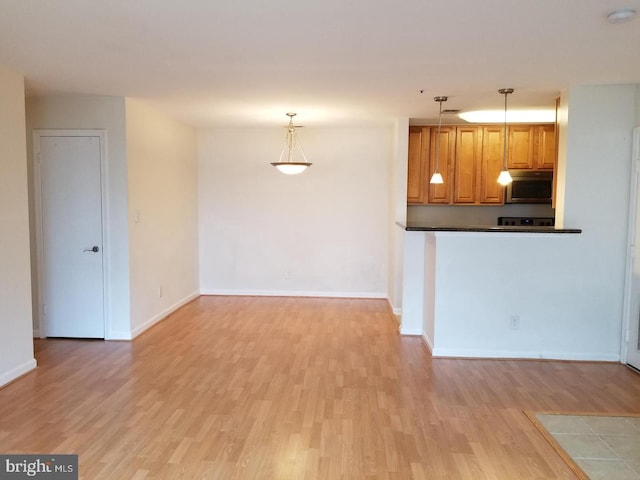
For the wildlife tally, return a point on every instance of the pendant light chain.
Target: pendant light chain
(439, 130)
(506, 137)
(505, 177)
(290, 139)
(436, 178)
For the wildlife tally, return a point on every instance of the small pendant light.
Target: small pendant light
(505, 177)
(291, 167)
(436, 178)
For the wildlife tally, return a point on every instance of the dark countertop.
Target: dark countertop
(421, 227)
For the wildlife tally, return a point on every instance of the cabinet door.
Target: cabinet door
(442, 193)
(491, 165)
(521, 143)
(546, 147)
(467, 160)
(418, 164)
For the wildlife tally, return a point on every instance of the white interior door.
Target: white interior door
(71, 263)
(633, 276)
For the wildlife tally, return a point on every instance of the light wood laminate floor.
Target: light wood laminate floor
(295, 388)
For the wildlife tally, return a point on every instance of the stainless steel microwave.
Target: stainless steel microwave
(529, 186)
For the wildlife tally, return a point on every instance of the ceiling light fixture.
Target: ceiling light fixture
(515, 116)
(436, 178)
(621, 16)
(505, 177)
(291, 167)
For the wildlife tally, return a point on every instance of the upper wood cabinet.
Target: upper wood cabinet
(468, 155)
(441, 193)
(471, 159)
(546, 147)
(531, 147)
(418, 163)
(491, 165)
(521, 146)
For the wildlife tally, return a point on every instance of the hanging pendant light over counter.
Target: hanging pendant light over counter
(505, 177)
(290, 166)
(436, 178)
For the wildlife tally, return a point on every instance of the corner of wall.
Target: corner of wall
(637, 120)
(16, 315)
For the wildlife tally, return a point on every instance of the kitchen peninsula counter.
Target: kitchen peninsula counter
(492, 291)
(424, 227)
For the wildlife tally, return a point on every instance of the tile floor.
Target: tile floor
(604, 447)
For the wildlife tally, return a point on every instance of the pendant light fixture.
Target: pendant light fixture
(436, 178)
(505, 177)
(289, 166)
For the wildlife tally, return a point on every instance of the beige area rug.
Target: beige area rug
(596, 447)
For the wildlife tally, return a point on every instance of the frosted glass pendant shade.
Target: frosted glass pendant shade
(289, 168)
(436, 178)
(504, 178)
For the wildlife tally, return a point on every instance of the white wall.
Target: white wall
(398, 202)
(328, 227)
(566, 309)
(98, 112)
(163, 214)
(637, 121)
(16, 331)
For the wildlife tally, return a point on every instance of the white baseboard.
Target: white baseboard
(397, 311)
(428, 343)
(116, 335)
(9, 376)
(516, 354)
(292, 293)
(162, 315)
(410, 331)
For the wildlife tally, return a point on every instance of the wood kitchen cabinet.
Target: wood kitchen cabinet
(419, 140)
(441, 193)
(521, 147)
(531, 147)
(468, 155)
(546, 148)
(471, 158)
(469, 179)
(490, 191)
(422, 164)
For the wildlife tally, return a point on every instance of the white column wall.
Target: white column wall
(163, 214)
(16, 330)
(398, 203)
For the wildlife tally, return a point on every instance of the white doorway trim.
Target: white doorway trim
(102, 135)
(627, 321)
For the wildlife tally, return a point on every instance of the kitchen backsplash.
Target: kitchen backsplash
(472, 215)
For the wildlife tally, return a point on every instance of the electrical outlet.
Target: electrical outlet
(514, 322)
(287, 275)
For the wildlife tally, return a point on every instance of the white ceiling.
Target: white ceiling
(247, 62)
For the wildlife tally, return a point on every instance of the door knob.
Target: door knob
(94, 249)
